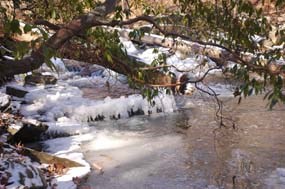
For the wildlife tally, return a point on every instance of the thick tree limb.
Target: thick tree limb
(124, 66)
(64, 34)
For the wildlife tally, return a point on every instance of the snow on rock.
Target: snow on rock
(58, 63)
(194, 65)
(129, 46)
(152, 53)
(18, 171)
(69, 147)
(5, 101)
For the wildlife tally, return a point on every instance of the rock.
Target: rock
(43, 157)
(16, 91)
(5, 101)
(38, 78)
(26, 131)
(5, 80)
(92, 70)
(73, 65)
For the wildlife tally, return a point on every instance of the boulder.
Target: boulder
(16, 91)
(27, 130)
(5, 101)
(38, 78)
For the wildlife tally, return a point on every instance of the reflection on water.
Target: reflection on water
(187, 149)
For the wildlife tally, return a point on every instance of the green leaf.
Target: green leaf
(108, 57)
(273, 102)
(15, 26)
(27, 28)
(53, 14)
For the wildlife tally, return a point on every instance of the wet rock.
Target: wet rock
(38, 78)
(5, 80)
(73, 65)
(5, 101)
(73, 68)
(16, 91)
(26, 131)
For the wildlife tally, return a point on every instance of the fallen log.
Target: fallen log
(217, 53)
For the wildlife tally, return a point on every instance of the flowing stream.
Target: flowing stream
(188, 149)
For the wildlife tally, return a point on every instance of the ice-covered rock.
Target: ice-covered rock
(65, 101)
(27, 130)
(92, 70)
(38, 78)
(59, 64)
(5, 101)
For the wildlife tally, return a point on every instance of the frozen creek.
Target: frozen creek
(157, 152)
(180, 148)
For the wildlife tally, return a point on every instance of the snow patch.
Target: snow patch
(69, 147)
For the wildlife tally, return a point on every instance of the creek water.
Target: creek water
(188, 149)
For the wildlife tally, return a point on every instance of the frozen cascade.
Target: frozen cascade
(65, 102)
